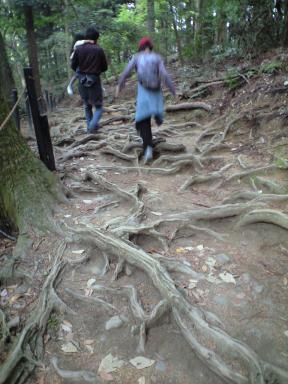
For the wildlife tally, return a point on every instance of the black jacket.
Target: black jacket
(89, 58)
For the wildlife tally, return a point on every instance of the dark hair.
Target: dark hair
(77, 36)
(92, 34)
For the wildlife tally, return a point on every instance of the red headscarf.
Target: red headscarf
(145, 41)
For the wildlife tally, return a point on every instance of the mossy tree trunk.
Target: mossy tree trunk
(27, 189)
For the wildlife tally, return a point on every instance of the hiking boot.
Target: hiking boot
(148, 155)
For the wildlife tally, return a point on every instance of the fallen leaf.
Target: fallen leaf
(211, 262)
(78, 252)
(88, 292)
(4, 293)
(66, 326)
(90, 282)
(227, 277)
(285, 281)
(189, 248)
(204, 268)
(87, 201)
(180, 250)
(141, 362)
(110, 364)
(89, 348)
(69, 348)
(141, 380)
(192, 284)
(200, 247)
(14, 298)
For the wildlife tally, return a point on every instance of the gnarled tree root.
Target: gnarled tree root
(269, 216)
(227, 357)
(87, 376)
(29, 346)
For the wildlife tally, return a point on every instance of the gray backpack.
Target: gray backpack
(147, 66)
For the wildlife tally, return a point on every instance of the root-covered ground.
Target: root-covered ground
(183, 262)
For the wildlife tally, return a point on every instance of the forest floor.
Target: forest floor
(236, 155)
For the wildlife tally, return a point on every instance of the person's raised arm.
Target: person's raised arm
(126, 73)
(165, 77)
(75, 61)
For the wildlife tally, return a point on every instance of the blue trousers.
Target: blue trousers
(92, 120)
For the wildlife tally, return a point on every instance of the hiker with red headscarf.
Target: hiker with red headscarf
(150, 73)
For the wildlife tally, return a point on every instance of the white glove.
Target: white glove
(70, 90)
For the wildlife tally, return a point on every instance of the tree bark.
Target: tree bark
(150, 17)
(32, 47)
(177, 37)
(5, 71)
(27, 189)
(285, 33)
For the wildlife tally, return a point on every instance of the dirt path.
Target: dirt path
(238, 269)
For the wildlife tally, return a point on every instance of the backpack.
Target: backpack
(147, 67)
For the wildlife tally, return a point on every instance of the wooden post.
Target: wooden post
(28, 111)
(41, 125)
(16, 113)
(47, 99)
(51, 101)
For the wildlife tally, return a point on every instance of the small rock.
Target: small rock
(222, 258)
(160, 366)
(221, 300)
(114, 322)
(23, 288)
(128, 270)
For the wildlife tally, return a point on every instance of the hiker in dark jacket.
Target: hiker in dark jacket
(89, 61)
(150, 72)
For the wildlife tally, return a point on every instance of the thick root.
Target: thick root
(229, 358)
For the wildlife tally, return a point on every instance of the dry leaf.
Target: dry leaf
(180, 250)
(16, 297)
(110, 364)
(227, 277)
(204, 268)
(141, 362)
(88, 292)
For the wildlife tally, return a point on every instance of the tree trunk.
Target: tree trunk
(65, 7)
(27, 189)
(285, 33)
(32, 47)
(5, 71)
(177, 37)
(150, 17)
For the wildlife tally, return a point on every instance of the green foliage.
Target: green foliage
(271, 67)
(53, 325)
(231, 78)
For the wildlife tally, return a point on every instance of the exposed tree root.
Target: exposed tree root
(227, 357)
(87, 376)
(93, 300)
(268, 216)
(118, 154)
(198, 179)
(188, 106)
(28, 348)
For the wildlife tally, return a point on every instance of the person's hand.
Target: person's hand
(117, 91)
